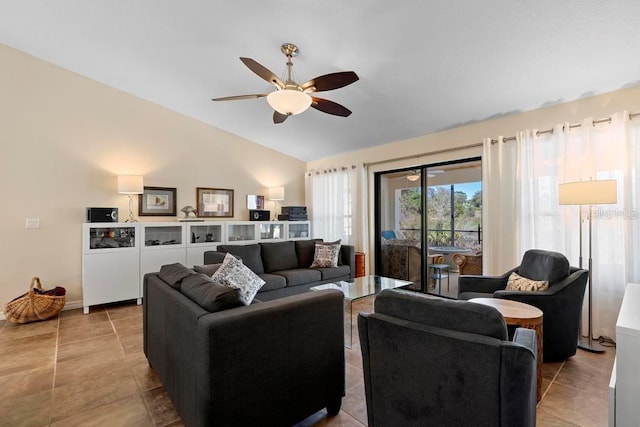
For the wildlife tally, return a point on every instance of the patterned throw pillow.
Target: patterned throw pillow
(519, 283)
(326, 254)
(234, 274)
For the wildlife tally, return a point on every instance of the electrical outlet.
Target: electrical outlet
(33, 223)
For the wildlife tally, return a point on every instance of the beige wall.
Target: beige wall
(64, 139)
(598, 107)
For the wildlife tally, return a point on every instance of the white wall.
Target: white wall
(64, 139)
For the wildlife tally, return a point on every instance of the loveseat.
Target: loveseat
(268, 363)
(285, 266)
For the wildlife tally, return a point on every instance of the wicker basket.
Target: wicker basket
(34, 306)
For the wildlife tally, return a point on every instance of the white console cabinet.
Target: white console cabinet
(624, 387)
(116, 256)
(110, 263)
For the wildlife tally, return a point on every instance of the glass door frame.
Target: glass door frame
(377, 208)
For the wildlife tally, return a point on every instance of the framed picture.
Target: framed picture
(255, 201)
(157, 201)
(214, 202)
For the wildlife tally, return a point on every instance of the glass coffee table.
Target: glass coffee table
(359, 288)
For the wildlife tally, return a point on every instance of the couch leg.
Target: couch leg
(333, 407)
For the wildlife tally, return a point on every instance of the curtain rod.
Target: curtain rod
(575, 125)
(493, 141)
(428, 153)
(329, 170)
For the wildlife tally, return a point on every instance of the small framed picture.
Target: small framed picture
(157, 201)
(214, 202)
(255, 201)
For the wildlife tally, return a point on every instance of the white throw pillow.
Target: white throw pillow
(326, 254)
(519, 283)
(234, 274)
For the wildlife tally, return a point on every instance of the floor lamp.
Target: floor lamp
(589, 193)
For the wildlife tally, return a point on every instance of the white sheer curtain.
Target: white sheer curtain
(336, 198)
(526, 187)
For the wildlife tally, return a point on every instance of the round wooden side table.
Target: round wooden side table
(525, 316)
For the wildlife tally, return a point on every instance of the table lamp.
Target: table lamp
(276, 194)
(130, 184)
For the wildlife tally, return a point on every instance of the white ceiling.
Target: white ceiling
(423, 66)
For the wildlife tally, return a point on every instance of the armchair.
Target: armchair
(468, 264)
(431, 361)
(561, 303)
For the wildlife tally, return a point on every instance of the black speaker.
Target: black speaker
(102, 214)
(259, 215)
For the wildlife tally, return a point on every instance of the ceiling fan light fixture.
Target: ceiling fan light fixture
(289, 101)
(413, 177)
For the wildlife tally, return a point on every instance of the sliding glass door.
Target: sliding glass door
(428, 222)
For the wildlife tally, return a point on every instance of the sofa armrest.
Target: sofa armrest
(214, 257)
(348, 257)
(274, 353)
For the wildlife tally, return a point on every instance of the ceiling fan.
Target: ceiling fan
(291, 98)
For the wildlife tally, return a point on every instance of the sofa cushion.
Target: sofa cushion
(538, 264)
(235, 274)
(300, 276)
(305, 249)
(249, 254)
(174, 273)
(518, 283)
(211, 296)
(334, 272)
(207, 269)
(326, 254)
(272, 282)
(458, 315)
(279, 256)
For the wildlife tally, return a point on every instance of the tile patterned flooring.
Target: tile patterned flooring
(89, 370)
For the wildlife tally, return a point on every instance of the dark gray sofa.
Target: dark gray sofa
(270, 363)
(284, 266)
(434, 362)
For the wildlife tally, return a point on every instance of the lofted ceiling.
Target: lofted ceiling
(423, 66)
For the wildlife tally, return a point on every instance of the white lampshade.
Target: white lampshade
(130, 184)
(276, 193)
(289, 101)
(588, 192)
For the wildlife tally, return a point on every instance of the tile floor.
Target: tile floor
(89, 370)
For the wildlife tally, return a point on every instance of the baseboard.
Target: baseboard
(69, 305)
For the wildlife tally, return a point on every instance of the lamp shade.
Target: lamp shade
(289, 101)
(601, 192)
(130, 184)
(276, 193)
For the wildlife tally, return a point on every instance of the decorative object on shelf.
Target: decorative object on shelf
(291, 98)
(258, 215)
(130, 185)
(602, 192)
(188, 211)
(157, 201)
(214, 202)
(255, 201)
(276, 194)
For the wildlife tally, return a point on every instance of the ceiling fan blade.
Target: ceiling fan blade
(262, 72)
(279, 118)
(233, 98)
(330, 107)
(330, 81)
